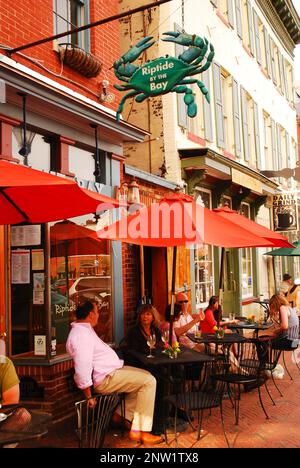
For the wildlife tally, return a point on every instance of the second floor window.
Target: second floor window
(68, 15)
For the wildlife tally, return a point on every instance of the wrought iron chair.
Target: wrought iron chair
(92, 424)
(247, 370)
(290, 342)
(195, 396)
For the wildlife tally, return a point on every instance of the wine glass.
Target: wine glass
(151, 343)
(165, 336)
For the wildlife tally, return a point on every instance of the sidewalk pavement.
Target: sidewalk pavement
(282, 430)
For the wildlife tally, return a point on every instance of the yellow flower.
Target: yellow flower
(215, 328)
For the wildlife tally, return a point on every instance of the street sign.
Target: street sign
(165, 74)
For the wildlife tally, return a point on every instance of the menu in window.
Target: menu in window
(20, 267)
(25, 235)
(37, 259)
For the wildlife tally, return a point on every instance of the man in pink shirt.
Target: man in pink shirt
(98, 366)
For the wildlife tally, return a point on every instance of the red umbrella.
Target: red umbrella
(28, 195)
(178, 220)
(261, 231)
(68, 238)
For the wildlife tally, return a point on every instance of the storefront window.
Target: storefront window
(80, 270)
(247, 261)
(204, 277)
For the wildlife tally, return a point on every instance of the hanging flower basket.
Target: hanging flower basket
(80, 60)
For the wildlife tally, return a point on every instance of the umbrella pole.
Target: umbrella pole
(173, 295)
(142, 268)
(221, 283)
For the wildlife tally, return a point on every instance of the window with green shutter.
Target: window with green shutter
(245, 124)
(268, 52)
(257, 38)
(274, 146)
(237, 119)
(250, 27)
(207, 112)
(273, 58)
(239, 24)
(219, 106)
(230, 12)
(257, 136)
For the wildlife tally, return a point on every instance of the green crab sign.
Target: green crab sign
(165, 74)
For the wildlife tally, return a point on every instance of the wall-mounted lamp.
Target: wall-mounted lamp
(97, 172)
(129, 193)
(23, 136)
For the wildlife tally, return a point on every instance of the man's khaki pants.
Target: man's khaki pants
(139, 387)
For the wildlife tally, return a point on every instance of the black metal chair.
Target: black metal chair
(195, 396)
(247, 369)
(288, 342)
(269, 357)
(92, 424)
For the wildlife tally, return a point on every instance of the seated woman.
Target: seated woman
(208, 324)
(285, 321)
(138, 336)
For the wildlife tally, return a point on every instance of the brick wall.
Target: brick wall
(26, 21)
(60, 394)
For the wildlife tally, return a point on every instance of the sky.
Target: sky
(297, 61)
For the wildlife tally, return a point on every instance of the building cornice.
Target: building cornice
(284, 20)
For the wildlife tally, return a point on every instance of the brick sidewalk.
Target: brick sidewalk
(281, 430)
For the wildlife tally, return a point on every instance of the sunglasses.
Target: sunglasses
(183, 302)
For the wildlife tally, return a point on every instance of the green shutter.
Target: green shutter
(237, 118)
(230, 12)
(288, 149)
(279, 146)
(268, 53)
(285, 80)
(257, 136)
(251, 30)
(239, 24)
(272, 48)
(281, 77)
(257, 38)
(207, 109)
(181, 106)
(219, 106)
(245, 125)
(274, 146)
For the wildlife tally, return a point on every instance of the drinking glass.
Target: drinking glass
(151, 343)
(165, 336)
(231, 316)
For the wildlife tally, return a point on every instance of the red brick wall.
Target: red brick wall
(58, 399)
(25, 21)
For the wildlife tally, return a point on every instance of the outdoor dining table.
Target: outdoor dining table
(256, 327)
(161, 362)
(37, 427)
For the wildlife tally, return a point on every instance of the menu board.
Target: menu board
(20, 267)
(26, 235)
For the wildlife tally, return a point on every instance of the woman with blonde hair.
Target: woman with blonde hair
(146, 327)
(284, 318)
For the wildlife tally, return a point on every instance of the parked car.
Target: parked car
(60, 285)
(91, 288)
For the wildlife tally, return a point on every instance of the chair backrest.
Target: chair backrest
(92, 423)
(267, 354)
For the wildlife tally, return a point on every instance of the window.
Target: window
(82, 163)
(80, 270)
(68, 15)
(227, 111)
(204, 277)
(267, 143)
(247, 263)
(40, 153)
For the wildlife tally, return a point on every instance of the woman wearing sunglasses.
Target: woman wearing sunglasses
(187, 323)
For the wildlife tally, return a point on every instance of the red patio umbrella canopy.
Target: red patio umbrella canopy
(261, 231)
(178, 220)
(28, 195)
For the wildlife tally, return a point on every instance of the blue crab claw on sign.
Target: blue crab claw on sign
(137, 50)
(184, 39)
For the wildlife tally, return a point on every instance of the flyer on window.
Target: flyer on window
(40, 345)
(20, 266)
(38, 281)
(38, 297)
(26, 235)
(37, 258)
